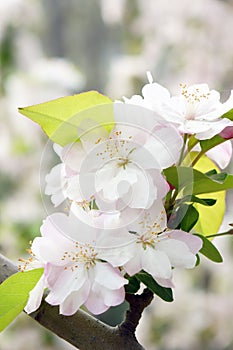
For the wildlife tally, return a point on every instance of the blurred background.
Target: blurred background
(53, 48)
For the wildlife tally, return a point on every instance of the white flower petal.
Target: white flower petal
(134, 265)
(193, 242)
(67, 281)
(221, 154)
(178, 253)
(108, 277)
(156, 263)
(35, 296)
(95, 302)
(74, 300)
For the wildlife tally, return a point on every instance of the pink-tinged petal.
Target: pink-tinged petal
(160, 183)
(109, 297)
(114, 297)
(193, 242)
(74, 300)
(52, 273)
(177, 252)
(95, 303)
(109, 277)
(221, 154)
(67, 282)
(214, 128)
(156, 263)
(165, 282)
(35, 296)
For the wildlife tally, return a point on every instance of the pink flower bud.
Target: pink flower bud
(227, 133)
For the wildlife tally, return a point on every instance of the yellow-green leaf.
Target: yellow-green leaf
(61, 118)
(14, 293)
(210, 218)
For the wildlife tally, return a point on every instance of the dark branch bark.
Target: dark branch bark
(82, 330)
(137, 303)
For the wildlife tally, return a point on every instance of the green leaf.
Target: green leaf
(163, 292)
(14, 293)
(194, 199)
(228, 115)
(192, 142)
(198, 260)
(185, 217)
(133, 285)
(219, 177)
(206, 225)
(196, 182)
(190, 219)
(209, 250)
(61, 118)
(206, 145)
(211, 172)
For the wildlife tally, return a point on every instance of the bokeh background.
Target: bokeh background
(53, 48)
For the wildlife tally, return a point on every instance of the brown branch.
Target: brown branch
(82, 330)
(137, 303)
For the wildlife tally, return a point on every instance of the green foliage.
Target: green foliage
(206, 225)
(133, 285)
(185, 217)
(192, 142)
(194, 199)
(61, 118)
(209, 250)
(163, 292)
(14, 293)
(228, 115)
(195, 182)
(206, 145)
(190, 218)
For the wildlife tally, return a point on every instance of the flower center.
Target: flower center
(193, 96)
(146, 240)
(115, 147)
(83, 254)
(122, 162)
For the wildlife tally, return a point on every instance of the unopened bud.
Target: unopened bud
(227, 133)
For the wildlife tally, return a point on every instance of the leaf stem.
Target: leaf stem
(193, 145)
(200, 154)
(227, 233)
(183, 149)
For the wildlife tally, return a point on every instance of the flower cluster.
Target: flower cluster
(119, 199)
